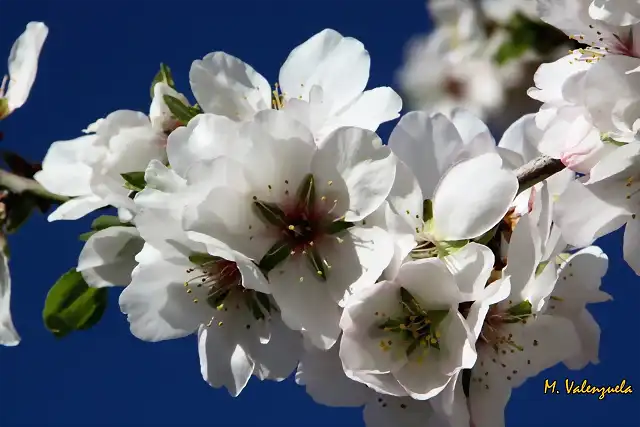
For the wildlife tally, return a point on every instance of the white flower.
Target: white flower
(321, 83)
(89, 168)
(239, 333)
(456, 167)
(602, 37)
(446, 70)
(604, 203)
(321, 373)
(23, 66)
(405, 337)
(625, 12)
(8, 334)
(518, 339)
(578, 284)
(567, 129)
(178, 289)
(299, 210)
(612, 96)
(108, 257)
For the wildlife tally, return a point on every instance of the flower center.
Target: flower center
(415, 327)
(454, 87)
(600, 43)
(492, 333)
(277, 98)
(218, 281)
(301, 225)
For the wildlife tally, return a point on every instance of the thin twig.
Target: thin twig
(18, 184)
(537, 171)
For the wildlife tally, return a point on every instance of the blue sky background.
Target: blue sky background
(101, 56)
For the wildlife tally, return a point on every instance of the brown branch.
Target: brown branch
(537, 171)
(18, 184)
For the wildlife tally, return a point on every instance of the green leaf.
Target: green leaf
(271, 213)
(164, 76)
(521, 310)
(71, 305)
(410, 303)
(338, 226)
(274, 256)
(180, 111)
(134, 181)
(19, 208)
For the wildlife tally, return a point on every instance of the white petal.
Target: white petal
(340, 65)
(224, 85)
(631, 245)
(430, 282)
(523, 256)
(221, 364)
(278, 358)
(358, 261)
(23, 63)
(8, 334)
(325, 381)
(156, 304)
(76, 208)
(66, 168)
(159, 113)
(428, 144)
(589, 332)
(583, 217)
(206, 137)
(357, 157)
(472, 197)
(367, 111)
(471, 267)
(422, 381)
(475, 135)
(108, 257)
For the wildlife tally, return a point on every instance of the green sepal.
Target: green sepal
(449, 248)
(427, 210)
(540, 268)
(486, 237)
(200, 259)
(306, 195)
(101, 223)
(134, 181)
(338, 226)
(271, 213)
(71, 305)
(180, 111)
(608, 140)
(163, 76)
(410, 303)
(519, 311)
(4, 108)
(278, 253)
(316, 262)
(436, 317)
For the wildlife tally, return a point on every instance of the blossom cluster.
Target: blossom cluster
(417, 277)
(480, 55)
